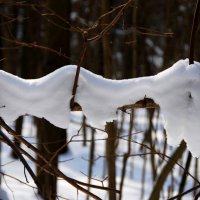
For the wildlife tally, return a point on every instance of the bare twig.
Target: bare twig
(97, 22)
(112, 23)
(14, 147)
(184, 193)
(34, 45)
(52, 169)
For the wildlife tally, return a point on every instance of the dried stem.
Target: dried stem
(112, 23)
(15, 149)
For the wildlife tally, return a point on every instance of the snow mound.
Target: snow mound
(176, 90)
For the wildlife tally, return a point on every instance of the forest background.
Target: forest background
(118, 40)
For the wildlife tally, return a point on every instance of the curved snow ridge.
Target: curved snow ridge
(46, 97)
(176, 90)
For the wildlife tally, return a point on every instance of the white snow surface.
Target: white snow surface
(176, 90)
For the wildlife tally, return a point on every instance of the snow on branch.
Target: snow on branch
(175, 90)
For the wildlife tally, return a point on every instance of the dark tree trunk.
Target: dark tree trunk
(12, 57)
(50, 138)
(111, 157)
(47, 144)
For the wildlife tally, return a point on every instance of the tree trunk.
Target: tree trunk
(110, 128)
(106, 45)
(47, 144)
(51, 138)
(12, 57)
(91, 160)
(111, 157)
(127, 154)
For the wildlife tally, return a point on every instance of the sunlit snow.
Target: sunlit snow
(176, 90)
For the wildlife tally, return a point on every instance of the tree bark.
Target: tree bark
(47, 143)
(91, 160)
(12, 57)
(106, 45)
(51, 138)
(111, 157)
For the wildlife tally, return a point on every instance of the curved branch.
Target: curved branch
(75, 183)
(21, 158)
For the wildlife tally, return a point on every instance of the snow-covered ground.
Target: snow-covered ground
(75, 164)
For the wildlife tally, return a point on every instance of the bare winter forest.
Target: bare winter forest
(130, 159)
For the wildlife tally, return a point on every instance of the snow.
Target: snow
(75, 163)
(176, 90)
(3, 194)
(46, 97)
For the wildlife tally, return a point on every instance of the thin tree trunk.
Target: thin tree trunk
(92, 150)
(111, 157)
(13, 57)
(150, 140)
(184, 176)
(106, 45)
(166, 48)
(84, 131)
(196, 167)
(127, 154)
(166, 170)
(111, 127)
(143, 176)
(10, 31)
(134, 36)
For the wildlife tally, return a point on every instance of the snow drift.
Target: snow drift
(176, 90)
